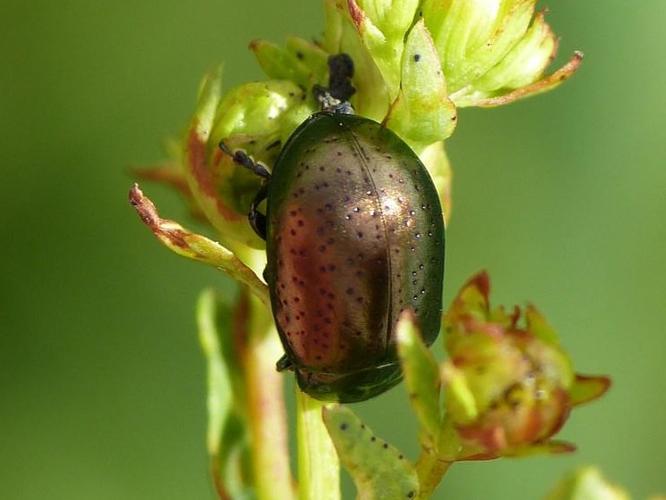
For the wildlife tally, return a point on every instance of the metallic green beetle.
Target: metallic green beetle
(354, 236)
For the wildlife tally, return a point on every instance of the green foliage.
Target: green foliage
(586, 483)
(509, 384)
(422, 379)
(228, 434)
(379, 470)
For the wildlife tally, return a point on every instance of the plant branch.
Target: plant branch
(318, 464)
(266, 409)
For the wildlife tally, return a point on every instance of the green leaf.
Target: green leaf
(422, 112)
(196, 247)
(586, 388)
(333, 26)
(460, 401)
(525, 62)
(260, 109)
(437, 162)
(537, 324)
(382, 29)
(372, 93)
(195, 152)
(228, 443)
(546, 84)
(489, 47)
(421, 377)
(586, 483)
(393, 17)
(551, 447)
(378, 469)
(280, 64)
(312, 56)
(318, 464)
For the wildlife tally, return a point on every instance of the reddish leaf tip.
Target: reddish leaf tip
(481, 281)
(143, 206)
(356, 13)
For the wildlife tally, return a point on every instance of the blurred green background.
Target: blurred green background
(562, 198)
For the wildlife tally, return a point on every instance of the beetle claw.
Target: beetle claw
(284, 363)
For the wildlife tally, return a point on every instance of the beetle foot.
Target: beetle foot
(284, 363)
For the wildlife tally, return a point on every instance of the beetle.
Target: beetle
(354, 236)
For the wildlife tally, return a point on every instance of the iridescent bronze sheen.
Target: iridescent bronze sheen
(355, 236)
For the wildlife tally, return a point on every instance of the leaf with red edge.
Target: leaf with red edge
(195, 246)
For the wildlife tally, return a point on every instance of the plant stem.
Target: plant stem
(431, 469)
(266, 408)
(318, 464)
(434, 462)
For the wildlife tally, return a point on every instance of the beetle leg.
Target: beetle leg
(243, 159)
(284, 363)
(256, 218)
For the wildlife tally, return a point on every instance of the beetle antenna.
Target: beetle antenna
(336, 96)
(340, 74)
(242, 158)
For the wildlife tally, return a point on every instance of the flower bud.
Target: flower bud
(256, 117)
(511, 385)
(490, 48)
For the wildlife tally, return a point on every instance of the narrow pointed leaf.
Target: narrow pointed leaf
(435, 159)
(383, 33)
(421, 377)
(544, 85)
(280, 64)
(195, 159)
(195, 246)
(393, 17)
(333, 26)
(422, 112)
(460, 401)
(553, 447)
(312, 56)
(486, 51)
(586, 388)
(537, 324)
(525, 62)
(378, 469)
(228, 443)
(372, 92)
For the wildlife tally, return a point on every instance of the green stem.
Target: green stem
(318, 464)
(434, 462)
(430, 469)
(266, 409)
